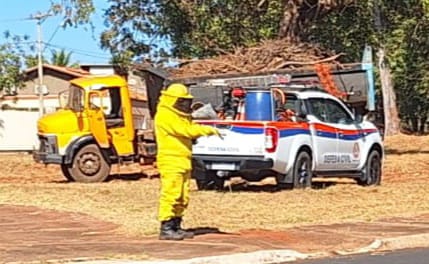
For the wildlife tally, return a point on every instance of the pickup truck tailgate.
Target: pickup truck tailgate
(237, 139)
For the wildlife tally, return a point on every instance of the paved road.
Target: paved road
(415, 256)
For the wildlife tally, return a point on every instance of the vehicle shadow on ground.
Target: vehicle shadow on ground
(246, 187)
(131, 176)
(388, 151)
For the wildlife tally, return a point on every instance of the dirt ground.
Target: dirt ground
(130, 199)
(406, 158)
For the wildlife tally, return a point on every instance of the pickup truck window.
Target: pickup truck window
(329, 111)
(288, 110)
(318, 108)
(336, 113)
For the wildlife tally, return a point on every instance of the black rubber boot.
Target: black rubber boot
(178, 227)
(168, 231)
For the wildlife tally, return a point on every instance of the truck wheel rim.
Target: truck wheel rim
(89, 163)
(374, 170)
(303, 172)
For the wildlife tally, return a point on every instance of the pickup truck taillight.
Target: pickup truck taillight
(271, 139)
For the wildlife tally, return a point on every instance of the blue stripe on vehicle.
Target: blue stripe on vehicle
(351, 137)
(293, 132)
(357, 136)
(326, 134)
(248, 130)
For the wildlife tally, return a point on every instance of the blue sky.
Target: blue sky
(83, 44)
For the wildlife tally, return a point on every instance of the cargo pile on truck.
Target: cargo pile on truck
(270, 55)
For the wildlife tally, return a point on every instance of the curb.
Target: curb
(390, 244)
(279, 256)
(404, 242)
(257, 257)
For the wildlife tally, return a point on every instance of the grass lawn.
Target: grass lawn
(132, 202)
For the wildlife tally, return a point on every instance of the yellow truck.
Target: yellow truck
(93, 130)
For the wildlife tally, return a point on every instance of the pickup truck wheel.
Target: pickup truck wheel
(65, 169)
(210, 182)
(89, 165)
(302, 174)
(371, 173)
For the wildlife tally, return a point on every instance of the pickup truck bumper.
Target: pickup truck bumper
(231, 163)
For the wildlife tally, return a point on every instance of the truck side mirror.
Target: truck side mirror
(358, 118)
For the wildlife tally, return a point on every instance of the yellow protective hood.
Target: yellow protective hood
(167, 101)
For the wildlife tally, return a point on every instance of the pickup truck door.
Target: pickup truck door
(350, 135)
(324, 135)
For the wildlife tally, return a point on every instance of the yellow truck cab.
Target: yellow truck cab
(92, 131)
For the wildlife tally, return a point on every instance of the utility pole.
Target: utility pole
(40, 18)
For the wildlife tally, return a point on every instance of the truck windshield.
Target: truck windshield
(75, 99)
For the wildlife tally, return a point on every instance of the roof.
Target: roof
(67, 70)
(99, 80)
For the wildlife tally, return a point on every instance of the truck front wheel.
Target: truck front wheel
(371, 173)
(88, 165)
(65, 169)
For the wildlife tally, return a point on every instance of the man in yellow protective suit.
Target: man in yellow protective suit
(174, 132)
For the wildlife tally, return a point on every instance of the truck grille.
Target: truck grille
(48, 144)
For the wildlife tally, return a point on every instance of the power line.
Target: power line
(53, 35)
(14, 20)
(79, 51)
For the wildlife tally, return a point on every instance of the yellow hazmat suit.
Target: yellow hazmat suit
(174, 132)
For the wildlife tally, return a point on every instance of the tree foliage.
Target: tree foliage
(194, 28)
(408, 43)
(11, 62)
(60, 58)
(75, 12)
(399, 27)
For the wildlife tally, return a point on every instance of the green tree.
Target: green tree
(10, 69)
(60, 58)
(408, 43)
(75, 12)
(11, 62)
(194, 28)
(399, 30)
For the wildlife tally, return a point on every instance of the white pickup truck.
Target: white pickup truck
(323, 138)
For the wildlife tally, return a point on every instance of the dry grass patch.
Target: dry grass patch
(133, 203)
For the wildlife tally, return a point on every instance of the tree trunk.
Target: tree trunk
(289, 26)
(391, 117)
(422, 125)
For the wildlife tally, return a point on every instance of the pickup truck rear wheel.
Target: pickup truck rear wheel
(210, 181)
(302, 173)
(89, 165)
(371, 173)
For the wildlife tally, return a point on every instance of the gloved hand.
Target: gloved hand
(209, 130)
(214, 131)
